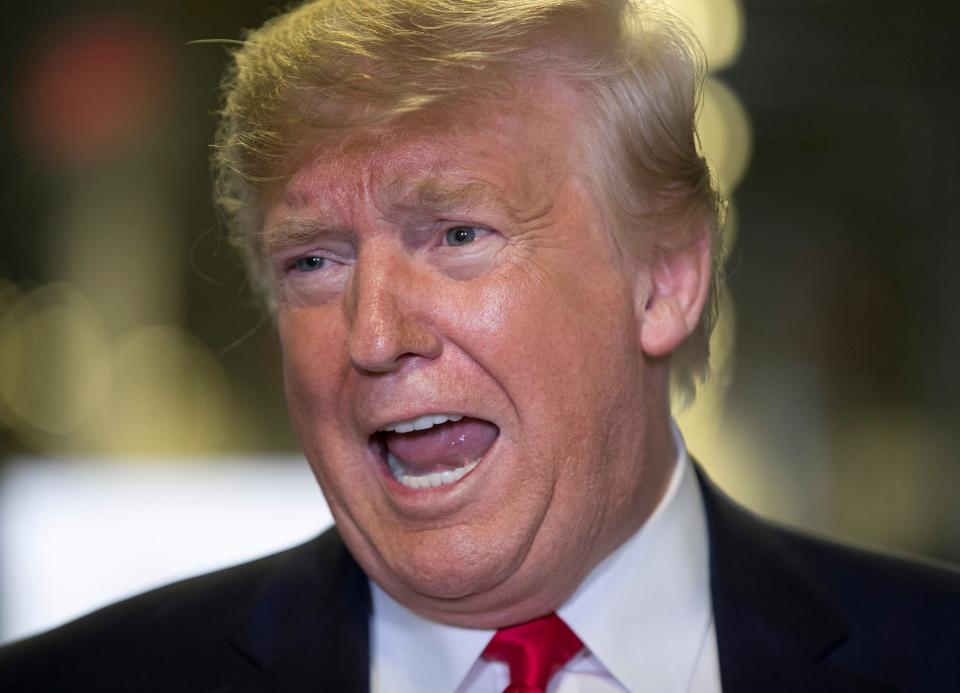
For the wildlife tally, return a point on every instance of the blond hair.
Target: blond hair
(333, 65)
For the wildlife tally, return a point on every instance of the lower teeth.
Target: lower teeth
(444, 478)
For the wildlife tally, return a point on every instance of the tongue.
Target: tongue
(447, 446)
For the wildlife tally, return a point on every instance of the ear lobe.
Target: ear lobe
(679, 280)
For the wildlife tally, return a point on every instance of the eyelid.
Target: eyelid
(289, 263)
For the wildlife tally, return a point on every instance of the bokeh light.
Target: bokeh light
(67, 386)
(725, 134)
(719, 25)
(169, 395)
(54, 362)
(94, 88)
(721, 442)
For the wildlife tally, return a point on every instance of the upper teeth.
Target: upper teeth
(421, 423)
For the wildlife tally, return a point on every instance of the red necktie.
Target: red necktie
(534, 651)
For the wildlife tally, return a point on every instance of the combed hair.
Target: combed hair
(329, 67)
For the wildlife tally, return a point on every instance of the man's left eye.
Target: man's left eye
(311, 263)
(462, 235)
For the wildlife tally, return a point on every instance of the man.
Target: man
(490, 242)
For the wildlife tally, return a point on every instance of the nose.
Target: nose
(387, 306)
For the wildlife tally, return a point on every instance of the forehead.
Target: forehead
(508, 152)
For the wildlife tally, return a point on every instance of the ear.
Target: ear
(671, 293)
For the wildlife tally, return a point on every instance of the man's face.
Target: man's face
(459, 268)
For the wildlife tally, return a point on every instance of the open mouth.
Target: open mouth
(434, 449)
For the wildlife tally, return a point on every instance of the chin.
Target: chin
(463, 590)
(471, 600)
(453, 569)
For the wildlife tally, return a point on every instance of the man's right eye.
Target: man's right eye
(311, 263)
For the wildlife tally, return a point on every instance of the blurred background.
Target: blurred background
(143, 433)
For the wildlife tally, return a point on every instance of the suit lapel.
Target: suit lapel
(774, 626)
(307, 629)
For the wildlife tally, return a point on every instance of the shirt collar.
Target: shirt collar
(411, 654)
(646, 604)
(645, 611)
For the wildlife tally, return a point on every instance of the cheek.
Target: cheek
(568, 369)
(315, 404)
(561, 335)
(309, 347)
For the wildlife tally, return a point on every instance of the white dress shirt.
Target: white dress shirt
(643, 614)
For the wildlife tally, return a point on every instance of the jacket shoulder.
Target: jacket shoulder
(903, 612)
(861, 575)
(183, 630)
(778, 590)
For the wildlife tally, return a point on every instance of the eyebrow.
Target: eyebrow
(294, 233)
(401, 194)
(438, 194)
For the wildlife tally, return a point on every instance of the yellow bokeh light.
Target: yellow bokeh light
(720, 26)
(725, 134)
(170, 395)
(715, 437)
(730, 228)
(10, 353)
(65, 386)
(55, 368)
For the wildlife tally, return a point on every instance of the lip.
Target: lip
(378, 424)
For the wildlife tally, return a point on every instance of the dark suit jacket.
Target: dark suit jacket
(793, 613)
